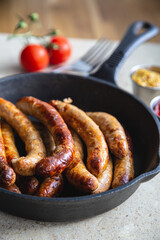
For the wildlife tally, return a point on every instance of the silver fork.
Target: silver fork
(91, 60)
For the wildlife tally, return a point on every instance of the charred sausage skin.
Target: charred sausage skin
(51, 187)
(33, 142)
(97, 149)
(63, 154)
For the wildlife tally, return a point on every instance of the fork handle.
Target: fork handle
(137, 33)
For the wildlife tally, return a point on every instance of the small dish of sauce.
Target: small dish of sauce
(145, 82)
(146, 78)
(155, 106)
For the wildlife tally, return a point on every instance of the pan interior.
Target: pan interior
(92, 95)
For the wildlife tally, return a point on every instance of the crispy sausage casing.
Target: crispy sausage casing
(76, 173)
(9, 143)
(12, 188)
(105, 179)
(7, 174)
(124, 167)
(63, 154)
(51, 187)
(33, 142)
(97, 149)
(113, 132)
(28, 185)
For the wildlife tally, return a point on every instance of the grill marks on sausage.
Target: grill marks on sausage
(63, 154)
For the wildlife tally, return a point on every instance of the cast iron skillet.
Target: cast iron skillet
(90, 94)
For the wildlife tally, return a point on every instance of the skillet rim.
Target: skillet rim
(137, 179)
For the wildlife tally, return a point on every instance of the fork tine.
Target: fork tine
(93, 49)
(99, 51)
(102, 55)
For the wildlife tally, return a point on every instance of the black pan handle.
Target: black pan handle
(137, 33)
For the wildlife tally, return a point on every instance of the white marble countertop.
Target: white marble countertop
(136, 218)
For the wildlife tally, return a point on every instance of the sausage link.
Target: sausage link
(124, 167)
(76, 173)
(47, 138)
(9, 143)
(12, 188)
(51, 187)
(28, 185)
(97, 149)
(63, 154)
(33, 142)
(7, 174)
(113, 132)
(105, 179)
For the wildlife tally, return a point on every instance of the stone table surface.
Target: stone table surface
(137, 218)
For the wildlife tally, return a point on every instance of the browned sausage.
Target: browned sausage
(51, 187)
(105, 179)
(28, 185)
(97, 149)
(63, 154)
(33, 142)
(113, 132)
(9, 143)
(47, 138)
(7, 174)
(12, 188)
(124, 167)
(76, 173)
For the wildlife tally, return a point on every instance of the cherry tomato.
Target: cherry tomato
(34, 57)
(59, 50)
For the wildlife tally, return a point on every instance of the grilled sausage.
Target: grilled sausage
(9, 143)
(97, 149)
(47, 138)
(12, 188)
(77, 173)
(63, 154)
(51, 187)
(7, 174)
(113, 132)
(124, 167)
(33, 142)
(28, 185)
(105, 179)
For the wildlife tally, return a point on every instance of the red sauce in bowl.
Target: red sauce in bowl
(156, 109)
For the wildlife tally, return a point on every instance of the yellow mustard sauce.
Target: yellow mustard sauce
(147, 78)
